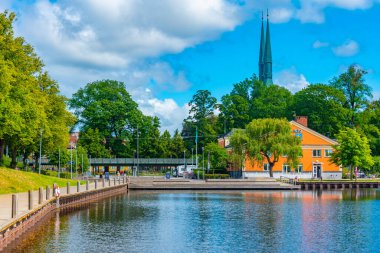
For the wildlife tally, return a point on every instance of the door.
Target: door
(317, 171)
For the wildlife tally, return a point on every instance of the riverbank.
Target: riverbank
(159, 183)
(19, 212)
(14, 181)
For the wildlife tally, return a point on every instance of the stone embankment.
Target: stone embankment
(159, 183)
(20, 212)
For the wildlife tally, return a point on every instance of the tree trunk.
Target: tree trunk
(14, 157)
(271, 165)
(24, 157)
(2, 145)
(350, 172)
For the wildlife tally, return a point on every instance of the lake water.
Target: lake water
(255, 221)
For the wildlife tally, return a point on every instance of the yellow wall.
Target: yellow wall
(310, 140)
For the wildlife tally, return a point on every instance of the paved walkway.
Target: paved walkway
(6, 200)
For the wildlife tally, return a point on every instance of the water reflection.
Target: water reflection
(259, 221)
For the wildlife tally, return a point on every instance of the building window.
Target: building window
(266, 166)
(328, 152)
(299, 168)
(285, 168)
(316, 153)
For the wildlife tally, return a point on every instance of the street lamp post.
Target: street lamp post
(59, 162)
(71, 160)
(137, 152)
(39, 164)
(203, 161)
(184, 158)
(192, 160)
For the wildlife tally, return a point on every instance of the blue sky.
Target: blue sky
(166, 50)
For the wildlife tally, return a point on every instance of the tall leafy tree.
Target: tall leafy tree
(201, 120)
(356, 91)
(369, 124)
(107, 106)
(177, 145)
(238, 142)
(268, 139)
(324, 106)
(93, 142)
(353, 150)
(271, 101)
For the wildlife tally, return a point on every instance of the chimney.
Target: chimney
(301, 120)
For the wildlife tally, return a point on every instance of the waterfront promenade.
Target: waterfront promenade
(23, 199)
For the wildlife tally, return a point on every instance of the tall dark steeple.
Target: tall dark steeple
(262, 48)
(267, 56)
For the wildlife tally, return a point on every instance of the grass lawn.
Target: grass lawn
(12, 181)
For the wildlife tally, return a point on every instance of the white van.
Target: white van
(182, 169)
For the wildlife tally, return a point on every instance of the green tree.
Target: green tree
(177, 145)
(352, 151)
(369, 123)
(271, 101)
(235, 109)
(107, 106)
(201, 117)
(93, 142)
(165, 145)
(324, 107)
(268, 139)
(355, 89)
(238, 142)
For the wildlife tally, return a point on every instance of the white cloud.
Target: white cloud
(167, 110)
(320, 44)
(376, 95)
(312, 11)
(292, 80)
(348, 48)
(82, 41)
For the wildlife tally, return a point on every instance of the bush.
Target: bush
(217, 176)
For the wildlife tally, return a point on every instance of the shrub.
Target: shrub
(217, 176)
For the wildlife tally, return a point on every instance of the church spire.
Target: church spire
(262, 48)
(267, 56)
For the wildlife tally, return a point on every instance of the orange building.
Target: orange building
(314, 163)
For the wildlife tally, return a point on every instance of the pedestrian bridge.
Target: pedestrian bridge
(140, 161)
(131, 161)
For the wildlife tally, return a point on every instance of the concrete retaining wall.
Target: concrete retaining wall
(23, 224)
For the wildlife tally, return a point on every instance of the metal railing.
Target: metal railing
(287, 180)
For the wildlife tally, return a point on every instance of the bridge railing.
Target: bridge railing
(130, 161)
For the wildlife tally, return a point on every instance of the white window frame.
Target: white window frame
(328, 151)
(298, 168)
(320, 152)
(266, 166)
(285, 168)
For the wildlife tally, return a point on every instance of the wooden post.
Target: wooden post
(350, 185)
(47, 192)
(119, 180)
(123, 180)
(314, 186)
(14, 205)
(114, 181)
(357, 186)
(306, 186)
(109, 182)
(30, 200)
(68, 187)
(336, 186)
(103, 182)
(54, 194)
(96, 184)
(78, 186)
(40, 195)
(343, 185)
(328, 187)
(87, 185)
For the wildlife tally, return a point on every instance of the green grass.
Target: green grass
(13, 181)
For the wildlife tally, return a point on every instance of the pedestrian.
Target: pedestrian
(57, 192)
